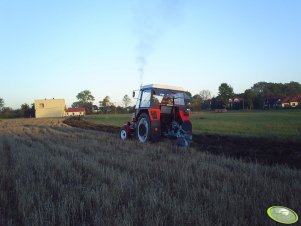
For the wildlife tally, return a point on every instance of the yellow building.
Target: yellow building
(50, 108)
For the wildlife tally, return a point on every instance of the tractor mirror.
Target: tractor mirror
(133, 94)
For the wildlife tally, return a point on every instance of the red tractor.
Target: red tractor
(161, 111)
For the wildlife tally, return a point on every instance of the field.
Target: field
(54, 174)
(267, 136)
(281, 123)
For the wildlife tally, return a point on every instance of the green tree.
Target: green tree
(216, 103)
(120, 109)
(1, 103)
(249, 97)
(88, 106)
(126, 100)
(292, 88)
(225, 92)
(276, 90)
(85, 100)
(25, 111)
(76, 104)
(85, 96)
(259, 88)
(7, 112)
(261, 92)
(106, 104)
(106, 101)
(196, 103)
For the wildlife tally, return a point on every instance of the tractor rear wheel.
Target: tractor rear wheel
(143, 128)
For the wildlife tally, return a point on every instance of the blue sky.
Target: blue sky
(59, 48)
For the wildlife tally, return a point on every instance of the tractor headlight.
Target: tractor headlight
(187, 111)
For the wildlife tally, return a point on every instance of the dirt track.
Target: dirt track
(264, 150)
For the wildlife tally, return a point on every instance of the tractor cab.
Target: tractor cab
(160, 111)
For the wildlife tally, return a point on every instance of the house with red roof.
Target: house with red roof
(285, 102)
(292, 102)
(75, 112)
(295, 101)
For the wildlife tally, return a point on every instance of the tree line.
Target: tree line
(25, 111)
(261, 95)
(257, 97)
(85, 100)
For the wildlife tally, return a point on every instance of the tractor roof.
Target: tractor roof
(157, 86)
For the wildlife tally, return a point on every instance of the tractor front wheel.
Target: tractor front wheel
(123, 133)
(143, 129)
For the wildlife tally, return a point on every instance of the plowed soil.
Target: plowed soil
(80, 123)
(266, 150)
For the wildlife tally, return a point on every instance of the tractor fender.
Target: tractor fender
(154, 124)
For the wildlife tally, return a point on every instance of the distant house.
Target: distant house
(295, 101)
(285, 102)
(46, 108)
(291, 101)
(95, 109)
(75, 112)
(236, 103)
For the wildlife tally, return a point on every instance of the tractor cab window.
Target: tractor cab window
(179, 99)
(145, 99)
(138, 100)
(168, 97)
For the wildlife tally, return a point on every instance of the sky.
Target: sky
(56, 49)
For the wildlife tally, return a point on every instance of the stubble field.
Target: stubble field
(53, 174)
